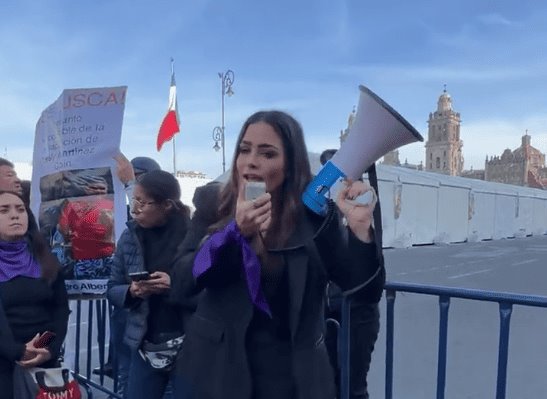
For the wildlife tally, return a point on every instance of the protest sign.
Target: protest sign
(77, 199)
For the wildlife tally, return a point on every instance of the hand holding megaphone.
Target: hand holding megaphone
(376, 130)
(356, 201)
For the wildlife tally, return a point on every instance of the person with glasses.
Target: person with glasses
(155, 326)
(119, 354)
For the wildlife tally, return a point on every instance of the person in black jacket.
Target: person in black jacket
(366, 330)
(33, 296)
(119, 354)
(261, 266)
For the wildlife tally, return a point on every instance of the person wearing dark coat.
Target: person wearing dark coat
(119, 354)
(155, 325)
(369, 326)
(33, 296)
(261, 266)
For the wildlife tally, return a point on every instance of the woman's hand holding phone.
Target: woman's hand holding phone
(139, 276)
(156, 283)
(34, 356)
(44, 339)
(253, 209)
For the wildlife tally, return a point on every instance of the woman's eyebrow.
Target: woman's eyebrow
(263, 145)
(268, 146)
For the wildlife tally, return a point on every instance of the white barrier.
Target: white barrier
(427, 208)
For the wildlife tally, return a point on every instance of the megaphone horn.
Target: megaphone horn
(376, 130)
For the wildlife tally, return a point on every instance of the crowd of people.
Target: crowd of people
(229, 302)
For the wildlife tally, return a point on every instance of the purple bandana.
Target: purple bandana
(16, 260)
(208, 255)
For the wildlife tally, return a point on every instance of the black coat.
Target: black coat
(214, 359)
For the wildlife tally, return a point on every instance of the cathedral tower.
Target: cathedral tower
(443, 149)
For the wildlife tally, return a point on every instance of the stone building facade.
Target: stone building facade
(524, 166)
(443, 149)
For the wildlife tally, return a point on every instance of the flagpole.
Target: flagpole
(174, 159)
(174, 152)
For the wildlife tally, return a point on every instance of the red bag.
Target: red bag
(40, 383)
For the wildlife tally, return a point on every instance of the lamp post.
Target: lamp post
(227, 80)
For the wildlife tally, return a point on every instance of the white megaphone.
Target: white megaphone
(376, 130)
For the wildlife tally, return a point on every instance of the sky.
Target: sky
(304, 57)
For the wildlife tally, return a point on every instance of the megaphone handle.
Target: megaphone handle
(314, 195)
(377, 212)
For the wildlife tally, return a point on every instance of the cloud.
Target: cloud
(450, 72)
(495, 19)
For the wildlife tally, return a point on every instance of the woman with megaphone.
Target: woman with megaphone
(262, 264)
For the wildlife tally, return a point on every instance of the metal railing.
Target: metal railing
(94, 336)
(98, 311)
(504, 300)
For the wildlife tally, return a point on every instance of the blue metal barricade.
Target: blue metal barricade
(95, 339)
(504, 300)
(96, 335)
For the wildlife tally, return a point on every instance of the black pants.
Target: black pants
(364, 333)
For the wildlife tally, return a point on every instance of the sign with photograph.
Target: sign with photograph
(79, 204)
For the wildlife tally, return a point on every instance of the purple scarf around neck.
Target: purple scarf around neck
(208, 256)
(16, 260)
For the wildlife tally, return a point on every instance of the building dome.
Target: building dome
(445, 102)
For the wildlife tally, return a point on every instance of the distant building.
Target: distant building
(189, 181)
(524, 166)
(443, 149)
(473, 174)
(191, 174)
(392, 158)
(344, 133)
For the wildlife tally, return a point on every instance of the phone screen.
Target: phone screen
(44, 340)
(139, 276)
(254, 189)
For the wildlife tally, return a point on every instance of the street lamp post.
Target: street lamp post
(227, 80)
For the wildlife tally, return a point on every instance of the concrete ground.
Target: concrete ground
(512, 265)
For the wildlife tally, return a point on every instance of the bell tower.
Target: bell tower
(443, 149)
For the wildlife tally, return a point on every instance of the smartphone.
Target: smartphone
(45, 339)
(139, 276)
(254, 189)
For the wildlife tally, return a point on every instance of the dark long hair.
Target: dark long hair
(297, 175)
(162, 186)
(37, 244)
